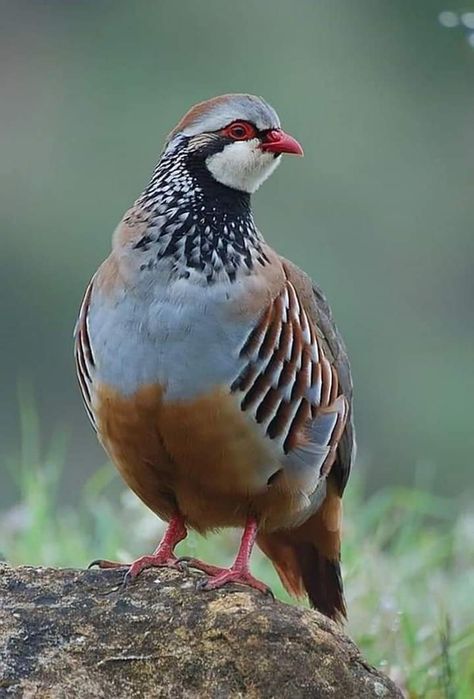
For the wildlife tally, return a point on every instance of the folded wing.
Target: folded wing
(292, 390)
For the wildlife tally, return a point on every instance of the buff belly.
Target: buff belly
(202, 457)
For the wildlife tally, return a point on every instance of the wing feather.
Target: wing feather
(83, 354)
(334, 349)
(291, 388)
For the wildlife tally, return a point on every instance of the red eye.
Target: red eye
(240, 131)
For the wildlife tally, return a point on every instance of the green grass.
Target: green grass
(408, 560)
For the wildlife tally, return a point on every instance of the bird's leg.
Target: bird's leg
(163, 556)
(239, 571)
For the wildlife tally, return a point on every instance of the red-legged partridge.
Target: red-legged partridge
(210, 366)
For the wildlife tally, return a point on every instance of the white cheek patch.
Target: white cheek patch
(242, 165)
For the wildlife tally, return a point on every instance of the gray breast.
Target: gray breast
(179, 336)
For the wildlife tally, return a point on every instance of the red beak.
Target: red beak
(277, 141)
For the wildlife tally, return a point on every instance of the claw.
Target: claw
(104, 564)
(200, 565)
(269, 593)
(182, 565)
(126, 580)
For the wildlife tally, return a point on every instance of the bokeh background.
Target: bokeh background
(380, 211)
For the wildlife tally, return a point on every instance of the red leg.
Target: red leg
(163, 556)
(239, 571)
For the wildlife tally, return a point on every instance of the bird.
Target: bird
(211, 368)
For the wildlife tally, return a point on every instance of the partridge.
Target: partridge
(210, 366)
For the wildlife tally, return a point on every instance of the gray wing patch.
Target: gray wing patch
(337, 353)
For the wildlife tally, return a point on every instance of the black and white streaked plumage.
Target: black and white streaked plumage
(211, 367)
(195, 219)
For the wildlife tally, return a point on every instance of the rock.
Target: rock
(74, 634)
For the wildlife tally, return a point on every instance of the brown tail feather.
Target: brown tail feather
(322, 581)
(307, 558)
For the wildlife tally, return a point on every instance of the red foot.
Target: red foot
(103, 563)
(163, 556)
(200, 565)
(233, 575)
(134, 569)
(238, 572)
(159, 560)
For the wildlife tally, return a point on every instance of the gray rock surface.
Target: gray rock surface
(74, 634)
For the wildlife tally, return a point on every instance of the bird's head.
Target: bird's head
(237, 138)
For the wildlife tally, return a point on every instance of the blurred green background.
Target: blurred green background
(380, 211)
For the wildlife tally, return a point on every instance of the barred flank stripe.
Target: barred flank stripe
(287, 379)
(84, 356)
